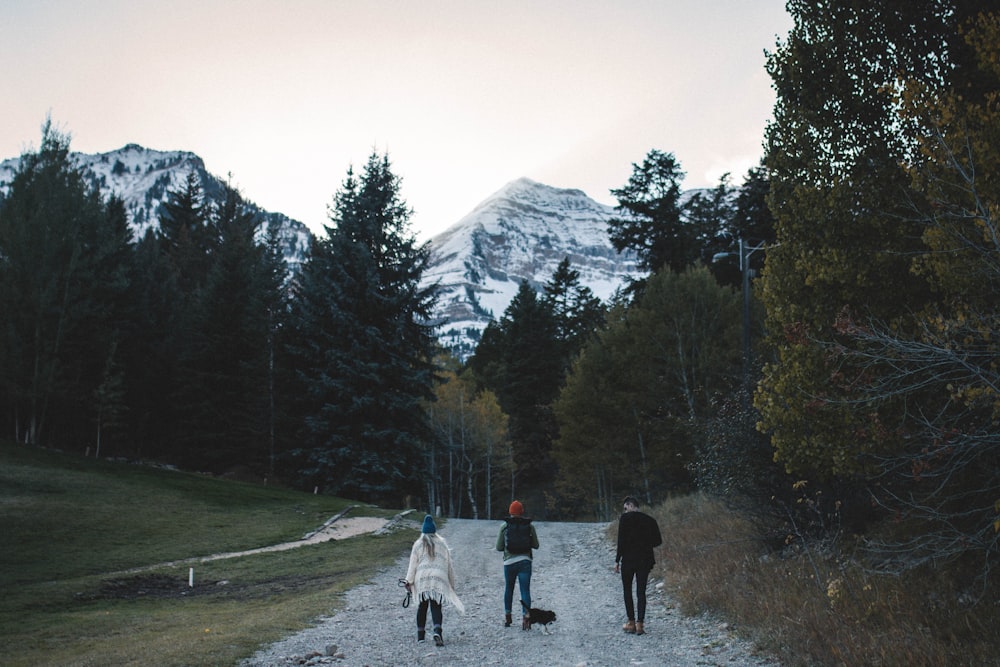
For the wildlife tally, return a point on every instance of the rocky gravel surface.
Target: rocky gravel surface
(572, 575)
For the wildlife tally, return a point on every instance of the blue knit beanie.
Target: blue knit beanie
(429, 526)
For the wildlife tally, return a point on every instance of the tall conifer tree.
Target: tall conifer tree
(63, 260)
(652, 224)
(362, 345)
(225, 383)
(520, 358)
(169, 279)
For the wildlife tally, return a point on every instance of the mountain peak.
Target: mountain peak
(532, 193)
(519, 233)
(525, 186)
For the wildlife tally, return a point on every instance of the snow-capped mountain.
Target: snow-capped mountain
(521, 232)
(143, 177)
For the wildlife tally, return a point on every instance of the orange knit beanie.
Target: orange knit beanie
(516, 508)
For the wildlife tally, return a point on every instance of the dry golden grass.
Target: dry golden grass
(813, 604)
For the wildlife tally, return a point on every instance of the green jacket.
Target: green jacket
(502, 545)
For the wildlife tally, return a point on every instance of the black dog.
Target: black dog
(541, 616)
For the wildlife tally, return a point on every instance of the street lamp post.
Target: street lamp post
(745, 251)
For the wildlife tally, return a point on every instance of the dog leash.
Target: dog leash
(409, 593)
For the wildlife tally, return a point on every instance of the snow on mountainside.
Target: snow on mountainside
(142, 178)
(521, 232)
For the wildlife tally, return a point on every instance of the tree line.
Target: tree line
(195, 345)
(859, 259)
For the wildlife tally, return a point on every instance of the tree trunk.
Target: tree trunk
(469, 490)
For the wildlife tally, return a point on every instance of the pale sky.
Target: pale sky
(464, 95)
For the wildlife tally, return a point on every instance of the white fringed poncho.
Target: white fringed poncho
(432, 578)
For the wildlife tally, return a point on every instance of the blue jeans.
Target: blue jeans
(520, 572)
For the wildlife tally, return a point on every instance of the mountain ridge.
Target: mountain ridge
(142, 177)
(519, 233)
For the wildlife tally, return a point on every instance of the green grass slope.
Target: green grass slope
(84, 578)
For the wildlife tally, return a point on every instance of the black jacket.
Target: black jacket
(638, 533)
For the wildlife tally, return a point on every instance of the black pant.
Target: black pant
(641, 576)
(435, 616)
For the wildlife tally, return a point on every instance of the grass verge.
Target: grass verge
(74, 528)
(815, 604)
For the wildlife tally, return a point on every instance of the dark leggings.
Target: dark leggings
(641, 576)
(435, 615)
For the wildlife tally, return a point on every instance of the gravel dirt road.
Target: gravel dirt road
(572, 575)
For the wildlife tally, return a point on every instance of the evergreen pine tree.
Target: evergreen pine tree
(174, 280)
(577, 311)
(185, 234)
(63, 259)
(225, 384)
(149, 350)
(707, 216)
(362, 345)
(520, 358)
(652, 224)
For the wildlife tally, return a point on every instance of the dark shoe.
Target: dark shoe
(507, 620)
(420, 635)
(629, 627)
(639, 629)
(525, 622)
(438, 640)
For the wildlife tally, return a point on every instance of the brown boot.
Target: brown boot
(526, 622)
(629, 627)
(507, 620)
(639, 629)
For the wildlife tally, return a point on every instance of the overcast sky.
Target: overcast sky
(464, 95)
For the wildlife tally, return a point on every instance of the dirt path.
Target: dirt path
(338, 527)
(572, 576)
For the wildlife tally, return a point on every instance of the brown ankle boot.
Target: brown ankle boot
(507, 620)
(629, 627)
(525, 622)
(639, 629)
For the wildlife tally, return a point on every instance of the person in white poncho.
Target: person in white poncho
(431, 578)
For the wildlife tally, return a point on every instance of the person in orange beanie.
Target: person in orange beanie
(516, 540)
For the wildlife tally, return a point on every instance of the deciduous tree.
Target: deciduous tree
(841, 200)
(637, 399)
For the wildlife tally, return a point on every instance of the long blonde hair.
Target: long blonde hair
(428, 540)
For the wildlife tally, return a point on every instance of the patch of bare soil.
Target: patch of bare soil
(163, 586)
(142, 586)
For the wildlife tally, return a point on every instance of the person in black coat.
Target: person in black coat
(638, 534)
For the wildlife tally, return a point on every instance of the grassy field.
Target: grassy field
(816, 604)
(75, 529)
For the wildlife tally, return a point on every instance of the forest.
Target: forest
(817, 345)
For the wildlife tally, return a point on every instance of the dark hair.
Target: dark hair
(631, 500)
